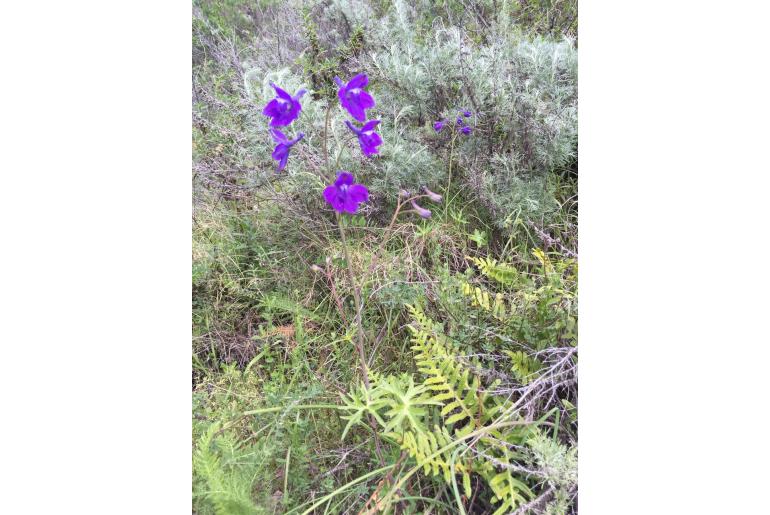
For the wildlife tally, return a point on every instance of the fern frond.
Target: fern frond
(523, 366)
(229, 486)
(436, 358)
(501, 273)
(495, 306)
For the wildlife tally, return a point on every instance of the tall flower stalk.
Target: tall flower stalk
(344, 195)
(358, 304)
(449, 172)
(461, 127)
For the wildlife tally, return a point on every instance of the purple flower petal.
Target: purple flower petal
(279, 151)
(352, 127)
(466, 130)
(344, 196)
(368, 139)
(359, 81)
(284, 108)
(344, 179)
(353, 97)
(439, 125)
(284, 159)
(330, 194)
(350, 206)
(353, 107)
(272, 108)
(278, 136)
(359, 193)
(369, 142)
(280, 92)
(365, 100)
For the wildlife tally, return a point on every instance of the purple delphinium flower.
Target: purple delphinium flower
(367, 138)
(281, 152)
(435, 197)
(344, 195)
(466, 130)
(425, 213)
(439, 125)
(353, 97)
(284, 108)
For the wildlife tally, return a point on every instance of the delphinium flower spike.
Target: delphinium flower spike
(461, 126)
(281, 152)
(367, 137)
(354, 98)
(344, 195)
(284, 108)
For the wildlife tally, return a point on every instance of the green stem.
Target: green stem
(357, 298)
(398, 210)
(356, 293)
(326, 137)
(360, 334)
(449, 180)
(290, 406)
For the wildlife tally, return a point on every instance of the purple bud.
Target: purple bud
(467, 114)
(425, 213)
(439, 125)
(460, 121)
(466, 130)
(435, 197)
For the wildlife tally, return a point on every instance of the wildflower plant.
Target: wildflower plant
(461, 128)
(425, 74)
(344, 195)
